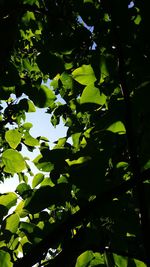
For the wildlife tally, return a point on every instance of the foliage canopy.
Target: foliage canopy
(88, 205)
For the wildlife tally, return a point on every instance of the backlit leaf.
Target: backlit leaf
(27, 125)
(5, 260)
(13, 138)
(84, 75)
(80, 160)
(76, 139)
(66, 80)
(33, 232)
(139, 263)
(12, 222)
(91, 94)
(29, 140)
(84, 259)
(8, 199)
(22, 189)
(98, 260)
(13, 161)
(38, 178)
(42, 164)
(20, 210)
(104, 71)
(120, 260)
(117, 127)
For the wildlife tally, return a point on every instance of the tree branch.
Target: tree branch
(74, 247)
(113, 6)
(36, 253)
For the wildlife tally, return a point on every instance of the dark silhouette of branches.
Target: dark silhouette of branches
(39, 250)
(129, 130)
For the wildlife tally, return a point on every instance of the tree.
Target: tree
(91, 208)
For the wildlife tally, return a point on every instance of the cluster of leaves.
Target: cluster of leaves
(88, 205)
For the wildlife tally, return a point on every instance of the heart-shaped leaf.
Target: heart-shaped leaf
(13, 161)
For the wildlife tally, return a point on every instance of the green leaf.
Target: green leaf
(29, 140)
(146, 165)
(8, 199)
(38, 178)
(26, 63)
(20, 210)
(27, 18)
(117, 127)
(33, 232)
(120, 260)
(66, 80)
(50, 159)
(15, 243)
(54, 82)
(5, 259)
(27, 125)
(139, 263)
(61, 142)
(122, 164)
(76, 139)
(13, 161)
(28, 227)
(27, 105)
(47, 181)
(104, 70)
(23, 189)
(98, 260)
(43, 138)
(138, 20)
(30, 2)
(91, 94)
(13, 138)
(78, 161)
(12, 222)
(84, 75)
(84, 259)
(43, 164)
(44, 98)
